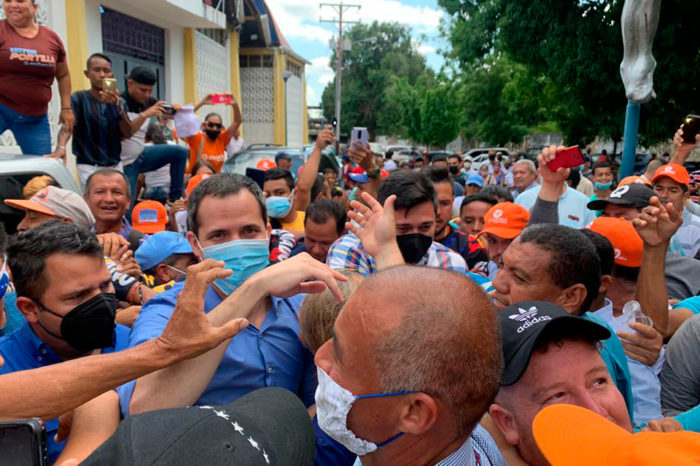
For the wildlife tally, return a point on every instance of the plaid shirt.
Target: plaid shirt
(347, 253)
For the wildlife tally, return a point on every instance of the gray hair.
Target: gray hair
(530, 164)
(221, 185)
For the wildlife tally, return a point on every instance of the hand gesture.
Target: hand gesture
(299, 274)
(325, 138)
(110, 97)
(548, 176)
(67, 119)
(126, 263)
(112, 244)
(683, 148)
(362, 156)
(178, 206)
(666, 424)
(154, 110)
(377, 229)
(657, 223)
(643, 345)
(59, 154)
(189, 332)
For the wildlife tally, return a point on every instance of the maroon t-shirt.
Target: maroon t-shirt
(28, 68)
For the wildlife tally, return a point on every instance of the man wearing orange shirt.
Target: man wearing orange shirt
(210, 143)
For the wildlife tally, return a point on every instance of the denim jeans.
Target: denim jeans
(152, 158)
(31, 133)
(156, 194)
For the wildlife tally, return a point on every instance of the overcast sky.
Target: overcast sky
(299, 21)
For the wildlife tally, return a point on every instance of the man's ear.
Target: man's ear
(162, 273)
(572, 298)
(29, 309)
(419, 415)
(194, 244)
(605, 282)
(505, 421)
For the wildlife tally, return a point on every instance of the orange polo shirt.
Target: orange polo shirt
(213, 152)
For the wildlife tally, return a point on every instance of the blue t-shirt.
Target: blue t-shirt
(272, 356)
(96, 134)
(573, 210)
(692, 303)
(23, 350)
(613, 353)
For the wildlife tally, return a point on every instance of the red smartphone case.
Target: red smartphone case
(221, 99)
(567, 158)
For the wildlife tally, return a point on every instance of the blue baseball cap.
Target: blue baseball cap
(475, 179)
(159, 247)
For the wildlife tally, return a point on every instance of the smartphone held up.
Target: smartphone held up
(691, 126)
(567, 158)
(223, 99)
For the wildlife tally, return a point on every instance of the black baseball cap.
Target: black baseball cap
(630, 195)
(143, 75)
(267, 426)
(527, 325)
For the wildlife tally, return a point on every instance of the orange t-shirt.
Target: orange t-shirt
(213, 152)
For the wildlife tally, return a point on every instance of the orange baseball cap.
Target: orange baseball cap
(149, 217)
(195, 180)
(505, 220)
(676, 172)
(624, 238)
(633, 179)
(572, 435)
(265, 164)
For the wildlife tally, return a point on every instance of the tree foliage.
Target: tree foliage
(368, 72)
(574, 48)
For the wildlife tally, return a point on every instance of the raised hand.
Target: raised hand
(683, 148)
(325, 138)
(548, 176)
(657, 223)
(299, 274)
(362, 156)
(377, 227)
(189, 331)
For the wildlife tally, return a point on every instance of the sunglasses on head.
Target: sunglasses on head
(214, 125)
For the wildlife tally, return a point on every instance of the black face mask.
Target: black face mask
(414, 246)
(454, 170)
(212, 134)
(89, 325)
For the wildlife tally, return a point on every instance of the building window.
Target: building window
(217, 35)
(255, 61)
(295, 69)
(132, 37)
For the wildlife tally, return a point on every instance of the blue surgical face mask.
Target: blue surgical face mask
(603, 186)
(244, 257)
(278, 206)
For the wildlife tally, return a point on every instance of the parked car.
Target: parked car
(483, 156)
(474, 153)
(16, 170)
(250, 157)
(439, 153)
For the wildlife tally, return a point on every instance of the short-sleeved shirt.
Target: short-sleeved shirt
(97, 138)
(689, 234)
(133, 147)
(573, 210)
(297, 224)
(465, 245)
(213, 152)
(28, 68)
(23, 350)
(347, 253)
(272, 356)
(680, 376)
(692, 304)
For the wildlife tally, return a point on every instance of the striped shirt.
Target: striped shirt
(347, 253)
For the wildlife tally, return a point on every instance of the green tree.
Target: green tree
(576, 45)
(368, 71)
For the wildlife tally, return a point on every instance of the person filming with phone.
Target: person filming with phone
(210, 143)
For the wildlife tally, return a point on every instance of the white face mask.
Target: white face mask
(333, 403)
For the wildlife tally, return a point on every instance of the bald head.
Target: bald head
(652, 167)
(444, 343)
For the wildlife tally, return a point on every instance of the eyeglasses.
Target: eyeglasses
(215, 125)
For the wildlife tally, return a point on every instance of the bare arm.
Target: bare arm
(53, 390)
(183, 383)
(682, 149)
(93, 423)
(545, 209)
(656, 225)
(64, 88)
(233, 129)
(203, 101)
(60, 152)
(307, 176)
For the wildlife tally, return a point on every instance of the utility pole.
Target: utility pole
(339, 8)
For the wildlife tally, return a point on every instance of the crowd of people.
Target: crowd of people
(428, 313)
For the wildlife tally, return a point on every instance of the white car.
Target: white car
(479, 156)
